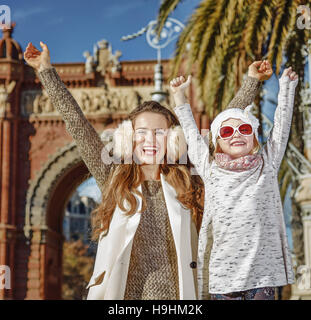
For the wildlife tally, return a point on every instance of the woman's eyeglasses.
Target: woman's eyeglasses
(244, 129)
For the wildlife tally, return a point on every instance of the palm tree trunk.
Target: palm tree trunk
(296, 60)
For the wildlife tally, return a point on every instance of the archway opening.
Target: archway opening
(64, 194)
(78, 249)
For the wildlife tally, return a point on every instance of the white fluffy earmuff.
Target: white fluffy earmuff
(123, 141)
(176, 146)
(120, 142)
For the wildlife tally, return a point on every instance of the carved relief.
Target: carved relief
(130, 100)
(27, 99)
(5, 91)
(107, 61)
(94, 100)
(89, 63)
(85, 102)
(306, 109)
(42, 103)
(102, 60)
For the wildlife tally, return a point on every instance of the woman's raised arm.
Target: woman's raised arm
(258, 71)
(88, 141)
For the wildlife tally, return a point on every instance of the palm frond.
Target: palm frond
(189, 42)
(166, 8)
(258, 26)
(208, 44)
(295, 59)
(227, 49)
(202, 16)
(283, 23)
(181, 48)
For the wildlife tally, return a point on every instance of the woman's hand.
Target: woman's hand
(178, 88)
(39, 60)
(260, 70)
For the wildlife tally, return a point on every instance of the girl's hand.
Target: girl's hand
(39, 60)
(290, 73)
(178, 88)
(260, 70)
(179, 85)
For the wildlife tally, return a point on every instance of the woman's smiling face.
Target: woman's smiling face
(238, 145)
(150, 137)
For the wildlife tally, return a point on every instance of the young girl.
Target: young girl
(243, 249)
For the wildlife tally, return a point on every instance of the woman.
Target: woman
(147, 222)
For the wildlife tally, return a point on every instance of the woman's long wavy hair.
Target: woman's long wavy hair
(123, 180)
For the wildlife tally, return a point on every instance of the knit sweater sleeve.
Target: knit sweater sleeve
(88, 141)
(277, 140)
(198, 150)
(246, 94)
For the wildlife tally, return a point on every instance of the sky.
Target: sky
(71, 27)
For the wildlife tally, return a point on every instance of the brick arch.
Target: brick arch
(42, 187)
(45, 205)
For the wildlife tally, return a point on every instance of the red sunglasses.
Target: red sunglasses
(244, 129)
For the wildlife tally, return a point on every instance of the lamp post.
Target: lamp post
(170, 32)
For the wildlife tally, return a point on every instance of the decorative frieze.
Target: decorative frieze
(5, 91)
(92, 101)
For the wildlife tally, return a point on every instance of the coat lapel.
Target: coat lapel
(184, 237)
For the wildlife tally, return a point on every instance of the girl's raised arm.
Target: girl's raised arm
(277, 140)
(198, 150)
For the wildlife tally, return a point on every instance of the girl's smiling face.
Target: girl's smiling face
(150, 137)
(238, 145)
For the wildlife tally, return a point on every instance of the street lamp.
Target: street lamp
(170, 32)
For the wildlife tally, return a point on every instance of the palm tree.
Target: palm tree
(225, 36)
(296, 59)
(222, 38)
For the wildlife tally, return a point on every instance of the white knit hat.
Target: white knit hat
(235, 113)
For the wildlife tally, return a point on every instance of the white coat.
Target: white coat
(109, 277)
